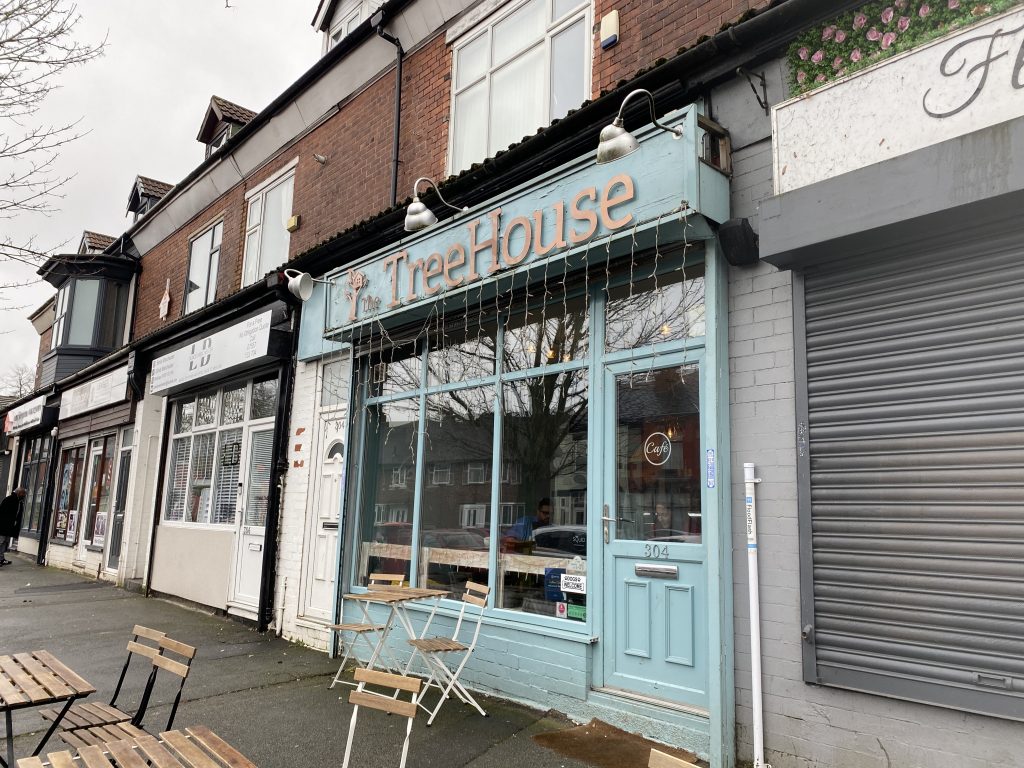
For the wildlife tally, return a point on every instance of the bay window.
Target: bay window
(525, 67)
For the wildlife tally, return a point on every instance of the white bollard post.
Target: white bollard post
(750, 495)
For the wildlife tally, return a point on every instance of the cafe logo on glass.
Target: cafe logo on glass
(657, 448)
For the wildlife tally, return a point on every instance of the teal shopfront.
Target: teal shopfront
(539, 404)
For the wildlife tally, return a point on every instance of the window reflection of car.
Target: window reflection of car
(458, 538)
(560, 540)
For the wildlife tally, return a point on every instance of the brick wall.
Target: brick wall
(653, 29)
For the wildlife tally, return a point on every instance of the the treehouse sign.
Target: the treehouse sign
(535, 227)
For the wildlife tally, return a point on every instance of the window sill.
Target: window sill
(94, 548)
(62, 543)
(29, 535)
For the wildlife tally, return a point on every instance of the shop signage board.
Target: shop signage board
(105, 390)
(967, 81)
(236, 345)
(25, 416)
(566, 213)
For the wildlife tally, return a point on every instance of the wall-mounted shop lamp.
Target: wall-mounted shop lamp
(617, 142)
(418, 216)
(300, 284)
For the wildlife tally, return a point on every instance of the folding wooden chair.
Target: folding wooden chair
(443, 677)
(386, 702)
(174, 658)
(364, 630)
(145, 643)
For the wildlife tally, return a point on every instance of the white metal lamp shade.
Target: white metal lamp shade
(617, 142)
(300, 284)
(417, 215)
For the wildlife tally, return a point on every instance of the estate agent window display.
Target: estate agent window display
(491, 410)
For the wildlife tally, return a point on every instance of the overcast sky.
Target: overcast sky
(142, 104)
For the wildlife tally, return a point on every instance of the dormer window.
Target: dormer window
(223, 120)
(145, 194)
(219, 140)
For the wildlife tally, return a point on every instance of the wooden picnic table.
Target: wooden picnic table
(195, 747)
(32, 680)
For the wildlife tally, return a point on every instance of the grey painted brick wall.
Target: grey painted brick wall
(806, 726)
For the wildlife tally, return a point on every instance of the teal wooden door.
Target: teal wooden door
(655, 633)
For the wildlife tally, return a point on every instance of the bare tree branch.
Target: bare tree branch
(37, 46)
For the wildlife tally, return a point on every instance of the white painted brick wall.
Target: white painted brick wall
(300, 482)
(808, 726)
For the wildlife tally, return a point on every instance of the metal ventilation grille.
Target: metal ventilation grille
(915, 376)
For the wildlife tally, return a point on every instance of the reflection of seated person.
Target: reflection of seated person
(519, 537)
(663, 521)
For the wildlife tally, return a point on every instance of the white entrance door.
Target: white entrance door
(324, 506)
(253, 520)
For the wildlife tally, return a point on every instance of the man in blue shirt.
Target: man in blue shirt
(522, 531)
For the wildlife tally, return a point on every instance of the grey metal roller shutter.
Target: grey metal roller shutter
(912, 471)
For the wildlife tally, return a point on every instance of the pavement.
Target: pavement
(267, 697)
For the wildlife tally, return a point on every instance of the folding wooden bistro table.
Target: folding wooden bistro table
(33, 680)
(195, 747)
(397, 599)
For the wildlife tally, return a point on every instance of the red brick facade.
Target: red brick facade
(355, 182)
(654, 29)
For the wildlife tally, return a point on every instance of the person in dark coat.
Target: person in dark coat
(10, 522)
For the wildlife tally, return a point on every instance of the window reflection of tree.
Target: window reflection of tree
(543, 417)
(656, 310)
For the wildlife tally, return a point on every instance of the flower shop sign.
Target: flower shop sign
(968, 80)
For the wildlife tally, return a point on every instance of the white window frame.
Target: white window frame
(511, 472)
(211, 274)
(583, 10)
(60, 308)
(248, 424)
(253, 260)
(389, 513)
(441, 474)
(477, 469)
(399, 477)
(473, 515)
(511, 511)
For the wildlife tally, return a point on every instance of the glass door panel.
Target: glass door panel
(655, 564)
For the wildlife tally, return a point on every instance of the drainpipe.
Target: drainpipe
(48, 496)
(282, 430)
(377, 20)
(750, 493)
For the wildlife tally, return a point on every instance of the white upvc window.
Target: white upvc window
(525, 66)
(473, 515)
(511, 512)
(399, 477)
(203, 259)
(266, 221)
(441, 474)
(477, 473)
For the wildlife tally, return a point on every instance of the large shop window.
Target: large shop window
(35, 466)
(516, 73)
(266, 233)
(476, 437)
(206, 462)
(70, 492)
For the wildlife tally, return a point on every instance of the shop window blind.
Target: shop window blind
(258, 487)
(911, 456)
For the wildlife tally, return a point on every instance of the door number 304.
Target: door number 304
(657, 551)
